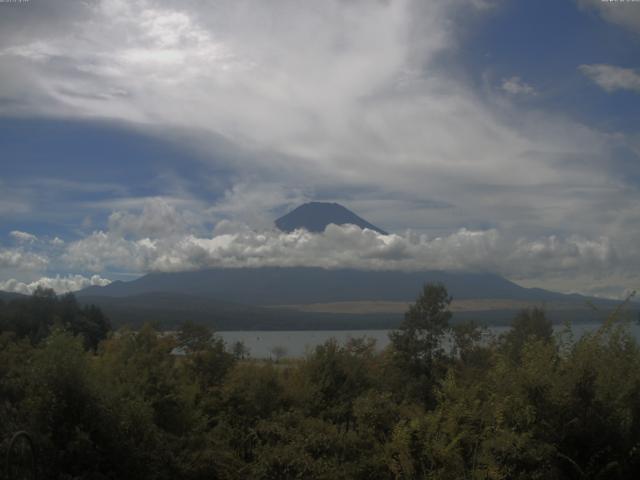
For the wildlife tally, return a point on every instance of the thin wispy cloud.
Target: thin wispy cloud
(515, 86)
(622, 13)
(612, 78)
(23, 237)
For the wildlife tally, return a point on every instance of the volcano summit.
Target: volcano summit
(315, 216)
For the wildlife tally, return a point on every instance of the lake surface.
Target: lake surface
(297, 343)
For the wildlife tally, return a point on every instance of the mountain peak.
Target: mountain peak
(315, 216)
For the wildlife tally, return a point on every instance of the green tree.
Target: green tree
(467, 345)
(35, 317)
(333, 377)
(417, 343)
(194, 337)
(240, 350)
(529, 324)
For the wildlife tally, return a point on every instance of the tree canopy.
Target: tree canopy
(439, 402)
(36, 316)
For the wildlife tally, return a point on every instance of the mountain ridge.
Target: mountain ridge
(300, 285)
(315, 216)
(303, 297)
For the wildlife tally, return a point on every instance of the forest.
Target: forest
(443, 401)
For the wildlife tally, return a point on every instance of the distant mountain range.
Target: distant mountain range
(315, 216)
(316, 298)
(303, 285)
(8, 296)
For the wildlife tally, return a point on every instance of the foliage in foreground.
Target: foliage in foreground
(526, 405)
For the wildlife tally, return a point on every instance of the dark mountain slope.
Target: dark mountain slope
(8, 296)
(315, 216)
(301, 285)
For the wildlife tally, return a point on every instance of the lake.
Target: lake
(297, 343)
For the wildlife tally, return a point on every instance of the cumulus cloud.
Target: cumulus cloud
(157, 218)
(612, 78)
(69, 283)
(255, 203)
(100, 250)
(515, 86)
(23, 236)
(236, 246)
(328, 97)
(21, 260)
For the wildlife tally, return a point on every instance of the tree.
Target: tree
(334, 377)
(207, 357)
(417, 343)
(35, 317)
(425, 323)
(467, 345)
(194, 337)
(240, 350)
(531, 323)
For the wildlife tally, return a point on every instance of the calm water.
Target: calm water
(297, 343)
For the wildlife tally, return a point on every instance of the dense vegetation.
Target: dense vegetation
(123, 405)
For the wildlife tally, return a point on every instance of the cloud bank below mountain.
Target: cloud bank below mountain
(136, 244)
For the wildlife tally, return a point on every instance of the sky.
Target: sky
(485, 135)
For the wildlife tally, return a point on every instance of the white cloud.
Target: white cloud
(552, 259)
(21, 260)
(360, 102)
(612, 78)
(23, 237)
(70, 283)
(234, 246)
(515, 86)
(157, 218)
(325, 96)
(623, 13)
(255, 202)
(100, 250)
